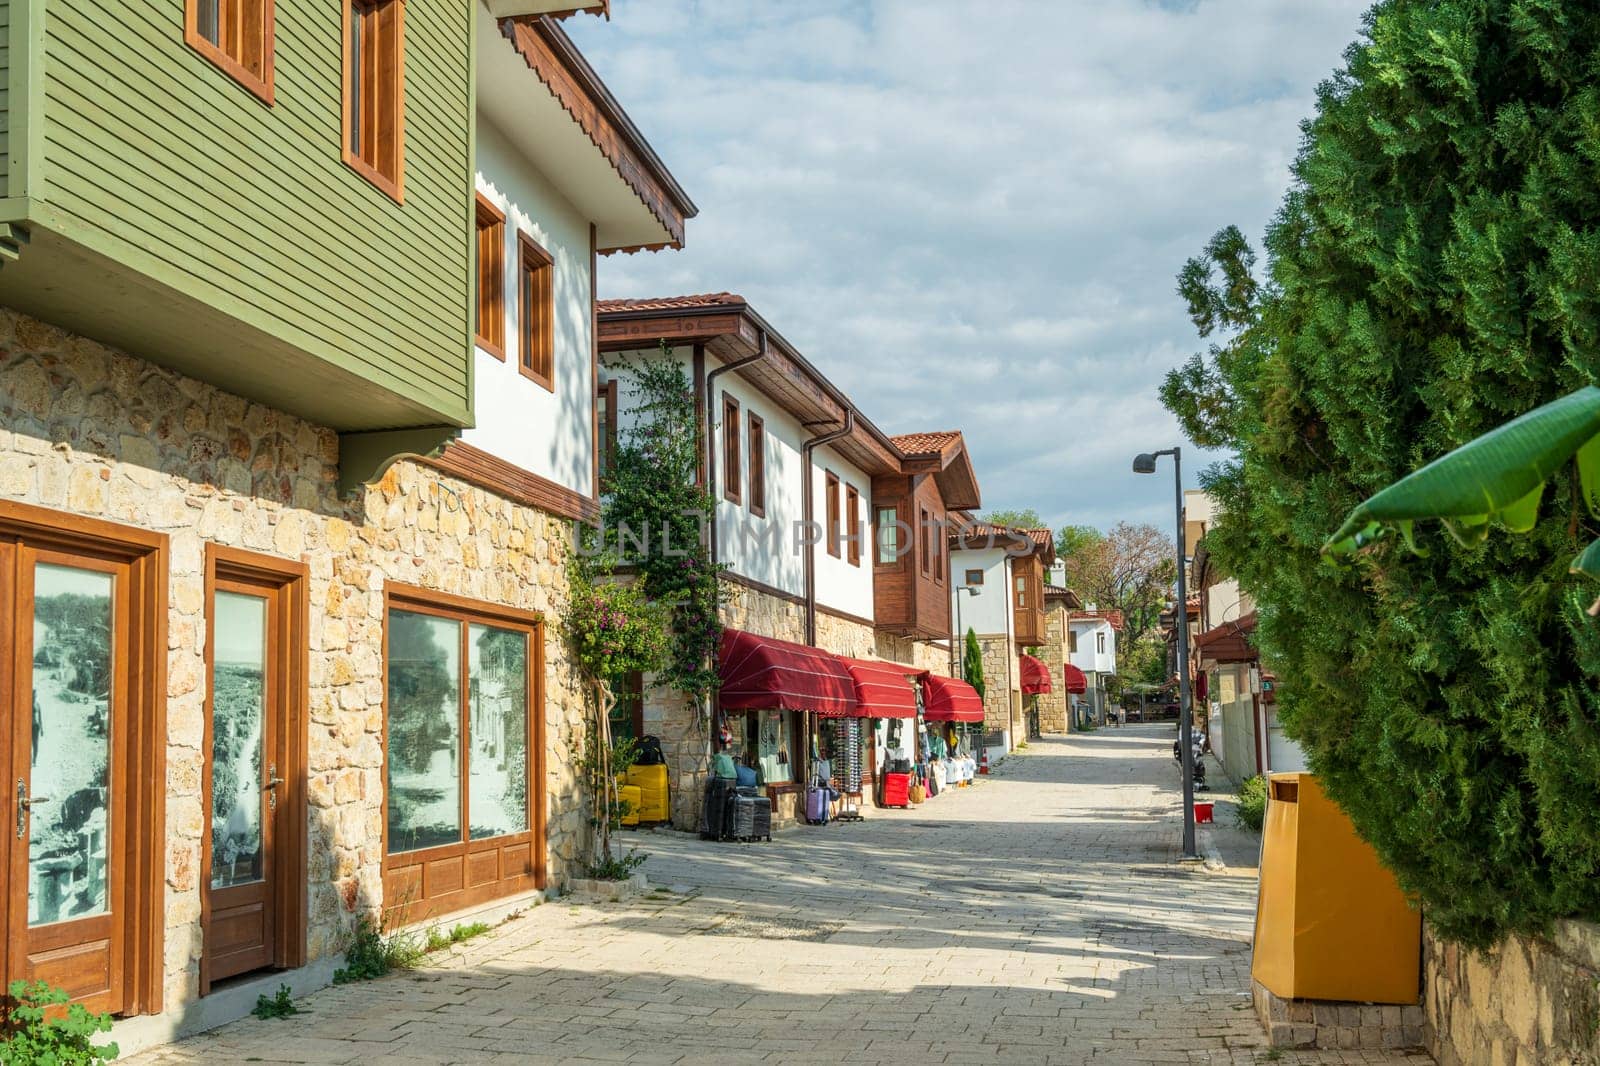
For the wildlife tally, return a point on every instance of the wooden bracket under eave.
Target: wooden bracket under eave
(366, 457)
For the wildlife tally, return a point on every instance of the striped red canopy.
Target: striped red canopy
(1074, 678)
(882, 690)
(949, 699)
(1035, 676)
(765, 674)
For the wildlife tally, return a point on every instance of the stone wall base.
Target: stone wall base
(1527, 1001)
(1309, 1023)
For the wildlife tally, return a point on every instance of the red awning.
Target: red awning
(949, 699)
(1074, 678)
(882, 690)
(764, 674)
(1035, 676)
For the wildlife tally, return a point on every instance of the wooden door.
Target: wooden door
(69, 628)
(246, 768)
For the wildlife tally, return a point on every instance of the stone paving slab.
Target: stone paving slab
(1037, 917)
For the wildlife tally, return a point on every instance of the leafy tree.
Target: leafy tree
(1431, 273)
(1027, 518)
(1130, 569)
(972, 662)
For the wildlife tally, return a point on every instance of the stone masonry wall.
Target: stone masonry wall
(90, 431)
(1053, 704)
(1529, 1002)
(999, 675)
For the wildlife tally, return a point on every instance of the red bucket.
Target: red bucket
(1202, 812)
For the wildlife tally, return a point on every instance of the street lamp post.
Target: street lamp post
(957, 645)
(1145, 463)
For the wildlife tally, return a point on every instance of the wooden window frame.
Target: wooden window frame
(877, 540)
(290, 580)
(1072, 640)
(606, 431)
(831, 501)
(757, 431)
(852, 517)
(490, 293)
(393, 185)
(970, 580)
(732, 465)
(407, 875)
(940, 549)
(262, 86)
(1100, 643)
(536, 354)
(143, 914)
(923, 547)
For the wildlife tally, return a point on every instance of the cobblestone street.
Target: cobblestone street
(1038, 916)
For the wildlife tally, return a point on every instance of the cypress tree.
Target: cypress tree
(1434, 270)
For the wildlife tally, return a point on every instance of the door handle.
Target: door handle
(273, 781)
(24, 805)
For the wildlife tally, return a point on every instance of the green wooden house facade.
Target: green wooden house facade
(153, 200)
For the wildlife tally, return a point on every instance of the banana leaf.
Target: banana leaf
(1499, 476)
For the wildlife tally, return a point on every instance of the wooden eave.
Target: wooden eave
(733, 331)
(556, 61)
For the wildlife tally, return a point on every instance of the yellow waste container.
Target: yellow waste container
(628, 795)
(1331, 922)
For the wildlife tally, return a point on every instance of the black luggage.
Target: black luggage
(714, 811)
(749, 816)
(650, 752)
(761, 822)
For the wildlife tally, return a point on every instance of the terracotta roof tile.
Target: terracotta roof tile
(674, 303)
(925, 443)
(1107, 615)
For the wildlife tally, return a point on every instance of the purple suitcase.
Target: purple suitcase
(817, 798)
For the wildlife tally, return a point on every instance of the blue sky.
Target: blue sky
(971, 216)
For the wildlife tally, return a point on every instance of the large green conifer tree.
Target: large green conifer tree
(1434, 271)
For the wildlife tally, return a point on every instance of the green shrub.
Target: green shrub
(31, 1040)
(280, 1005)
(371, 954)
(618, 869)
(1432, 274)
(1252, 805)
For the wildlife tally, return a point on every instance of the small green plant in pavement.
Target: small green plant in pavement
(32, 1039)
(1252, 809)
(371, 954)
(280, 1005)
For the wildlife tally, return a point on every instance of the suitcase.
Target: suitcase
(652, 784)
(714, 812)
(761, 823)
(817, 797)
(628, 796)
(744, 818)
(896, 790)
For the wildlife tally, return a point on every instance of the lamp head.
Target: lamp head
(1144, 463)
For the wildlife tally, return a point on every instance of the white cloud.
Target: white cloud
(972, 216)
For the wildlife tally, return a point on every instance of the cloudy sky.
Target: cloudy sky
(970, 216)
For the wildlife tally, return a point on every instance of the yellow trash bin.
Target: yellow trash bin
(1331, 922)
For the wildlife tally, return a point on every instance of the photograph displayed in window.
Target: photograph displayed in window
(758, 466)
(497, 727)
(491, 303)
(374, 92)
(433, 704)
(888, 536)
(535, 313)
(238, 738)
(424, 752)
(70, 769)
(236, 36)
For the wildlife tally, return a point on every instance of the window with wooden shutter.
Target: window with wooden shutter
(606, 440)
(374, 92)
(237, 36)
(732, 475)
(758, 466)
(852, 517)
(491, 302)
(833, 514)
(923, 538)
(535, 312)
